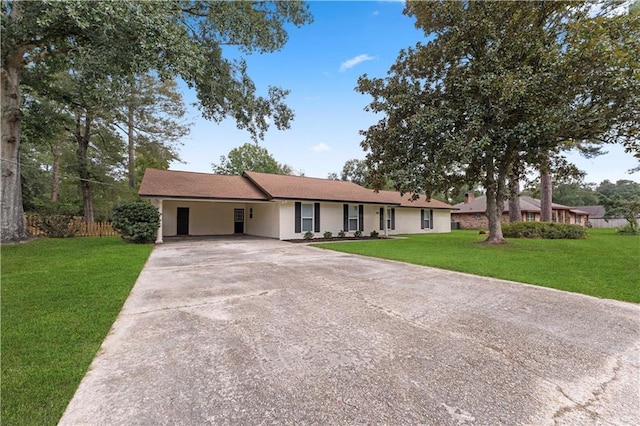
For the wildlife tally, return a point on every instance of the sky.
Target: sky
(320, 65)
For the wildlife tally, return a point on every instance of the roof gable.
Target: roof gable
(178, 184)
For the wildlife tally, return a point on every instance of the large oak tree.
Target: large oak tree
(497, 86)
(175, 38)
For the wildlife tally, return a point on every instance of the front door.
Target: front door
(238, 221)
(183, 221)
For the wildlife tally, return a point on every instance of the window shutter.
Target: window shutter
(361, 217)
(421, 218)
(431, 219)
(393, 218)
(381, 218)
(316, 217)
(298, 219)
(345, 221)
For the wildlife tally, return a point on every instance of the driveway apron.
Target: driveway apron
(257, 331)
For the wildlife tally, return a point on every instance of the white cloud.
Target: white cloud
(355, 61)
(320, 147)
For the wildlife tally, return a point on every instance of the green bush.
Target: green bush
(58, 225)
(328, 234)
(137, 221)
(374, 234)
(546, 230)
(628, 230)
(308, 235)
(341, 234)
(357, 233)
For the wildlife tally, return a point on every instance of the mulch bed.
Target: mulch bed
(328, 240)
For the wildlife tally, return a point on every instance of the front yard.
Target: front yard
(59, 299)
(604, 265)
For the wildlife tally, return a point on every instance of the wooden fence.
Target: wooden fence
(96, 229)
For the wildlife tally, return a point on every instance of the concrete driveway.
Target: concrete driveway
(256, 331)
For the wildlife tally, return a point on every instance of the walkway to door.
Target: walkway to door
(257, 331)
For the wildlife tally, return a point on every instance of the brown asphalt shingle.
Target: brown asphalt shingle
(169, 183)
(405, 201)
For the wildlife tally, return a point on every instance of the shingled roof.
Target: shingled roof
(254, 186)
(175, 184)
(305, 188)
(527, 204)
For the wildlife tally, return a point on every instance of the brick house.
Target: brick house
(470, 214)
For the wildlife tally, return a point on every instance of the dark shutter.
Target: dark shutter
(316, 217)
(431, 219)
(298, 217)
(393, 218)
(345, 211)
(421, 218)
(381, 218)
(361, 217)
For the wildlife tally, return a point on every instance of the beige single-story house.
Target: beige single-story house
(283, 207)
(470, 214)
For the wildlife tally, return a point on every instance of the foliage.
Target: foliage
(498, 86)
(137, 221)
(357, 233)
(308, 235)
(341, 234)
(374, 234)
(355, 171)
(570, 265)
(327, 234)
(109, 41)
(59, 299)
(629, 230)
(623, 200)
(545, 230)
(250, 157)
(58, 225)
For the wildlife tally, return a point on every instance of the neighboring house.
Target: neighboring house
(597, 220)
(282, 207)
(470, 214)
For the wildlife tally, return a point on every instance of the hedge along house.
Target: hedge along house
(282, 207)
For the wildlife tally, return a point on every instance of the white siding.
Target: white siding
(265, 221)
(408, 221)
(205, 218)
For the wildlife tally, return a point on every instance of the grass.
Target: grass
(604, 265)
(59, 299)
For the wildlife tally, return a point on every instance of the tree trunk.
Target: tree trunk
(132, 147)
(56, 151)
(12, 226)
(82, 138)
(495, 204)
(515, 215)
(545, 189)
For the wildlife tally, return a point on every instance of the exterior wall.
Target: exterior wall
(331, 219)
(265, 221)
(472, 221)
(408, 221)
(205, 218)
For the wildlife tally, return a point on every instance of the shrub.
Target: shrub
(357, 233)
(374, 234)
(308, 235)
(482, 232)
(58, 225)
(546, 230)
(137, 221)
(327, 234)
(628, 230)
(341, 234)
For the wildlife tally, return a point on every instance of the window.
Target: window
(353, 217)
(307, 217)
(389, 218)
(531, 217)
(426, 219)
(478, 216)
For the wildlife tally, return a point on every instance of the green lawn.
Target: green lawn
(603, 265)
(59, 299)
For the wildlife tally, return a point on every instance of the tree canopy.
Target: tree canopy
(250, 157)
(111, 40)
(498, 86)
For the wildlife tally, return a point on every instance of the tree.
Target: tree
(250, 157)
(124, 38)
(150, 117)
(355, 171)
(494, 90)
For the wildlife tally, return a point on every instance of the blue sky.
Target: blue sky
(320, 65)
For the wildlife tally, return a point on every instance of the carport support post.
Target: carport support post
(158, 204)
